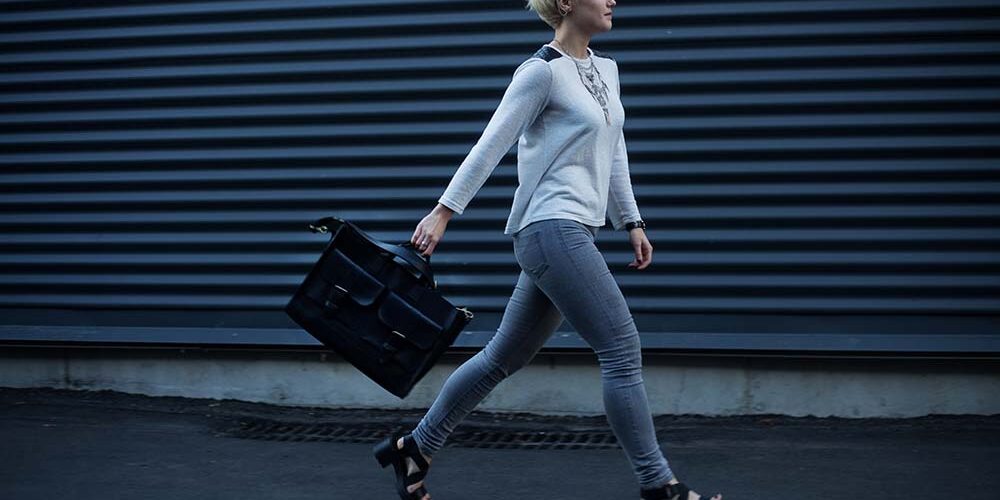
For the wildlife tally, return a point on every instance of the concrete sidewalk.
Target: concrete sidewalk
(109, 445)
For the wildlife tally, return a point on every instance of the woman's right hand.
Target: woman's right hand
(430, 229)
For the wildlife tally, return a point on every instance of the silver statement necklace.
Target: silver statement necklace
(592, 80)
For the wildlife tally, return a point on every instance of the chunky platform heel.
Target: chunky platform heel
(676, 491)
(387, 453)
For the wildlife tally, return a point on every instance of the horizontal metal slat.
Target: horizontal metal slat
(847, 237)
(943, 123)
(814, 214)
(448, 257)
(683, 304)
(731, 171)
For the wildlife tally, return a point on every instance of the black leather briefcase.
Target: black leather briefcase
(377, 305)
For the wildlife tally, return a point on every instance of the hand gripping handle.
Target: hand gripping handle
(411, 259)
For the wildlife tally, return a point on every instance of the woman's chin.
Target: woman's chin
(603, 26)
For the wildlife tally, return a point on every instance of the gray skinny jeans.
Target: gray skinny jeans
(562, 273)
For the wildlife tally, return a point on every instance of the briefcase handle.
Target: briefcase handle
(419, 268)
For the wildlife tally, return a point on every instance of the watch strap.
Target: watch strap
(634, 224)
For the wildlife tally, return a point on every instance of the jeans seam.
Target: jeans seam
(529, 240)
(607, 317)
(544, 256)
(590, 286)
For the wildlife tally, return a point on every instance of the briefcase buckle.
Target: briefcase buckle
(333, 304)
(468, 313)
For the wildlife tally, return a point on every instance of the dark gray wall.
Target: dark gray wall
(817, 176)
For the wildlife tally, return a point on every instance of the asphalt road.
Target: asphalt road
(60, 444)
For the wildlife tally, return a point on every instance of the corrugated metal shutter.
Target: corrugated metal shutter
(818, 176)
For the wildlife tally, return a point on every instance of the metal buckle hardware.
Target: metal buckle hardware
(468, 313)
(332, 304)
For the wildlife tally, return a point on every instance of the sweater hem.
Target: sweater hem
(510, 230)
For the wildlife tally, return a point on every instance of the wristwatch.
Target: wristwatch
(632, 225)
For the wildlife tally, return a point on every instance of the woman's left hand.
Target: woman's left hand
(643, 248)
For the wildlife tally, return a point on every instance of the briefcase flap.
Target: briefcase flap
(362, 287)
(408, 322)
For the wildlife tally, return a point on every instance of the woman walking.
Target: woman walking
(563, 107)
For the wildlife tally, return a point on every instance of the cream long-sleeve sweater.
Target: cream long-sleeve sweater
(570, 163)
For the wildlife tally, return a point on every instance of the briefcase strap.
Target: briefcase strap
(419, 267)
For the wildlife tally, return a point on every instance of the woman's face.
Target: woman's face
(592, 16)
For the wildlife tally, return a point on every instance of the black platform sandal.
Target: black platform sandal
(387, 453)
(676, 491)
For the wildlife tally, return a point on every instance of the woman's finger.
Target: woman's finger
(425, 242)
(428, 243)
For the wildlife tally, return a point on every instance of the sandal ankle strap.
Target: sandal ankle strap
(411, 448)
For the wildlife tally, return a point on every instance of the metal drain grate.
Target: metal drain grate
(470, 438)
(541, 440)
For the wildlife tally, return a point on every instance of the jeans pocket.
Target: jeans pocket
(530, 255)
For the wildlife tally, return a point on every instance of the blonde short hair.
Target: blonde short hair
(548, 10)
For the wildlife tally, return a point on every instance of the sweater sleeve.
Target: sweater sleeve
(622, 207)
(525, 98)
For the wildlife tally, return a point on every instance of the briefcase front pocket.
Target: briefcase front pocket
(351, 280)
(345, 294)
(407, 322)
